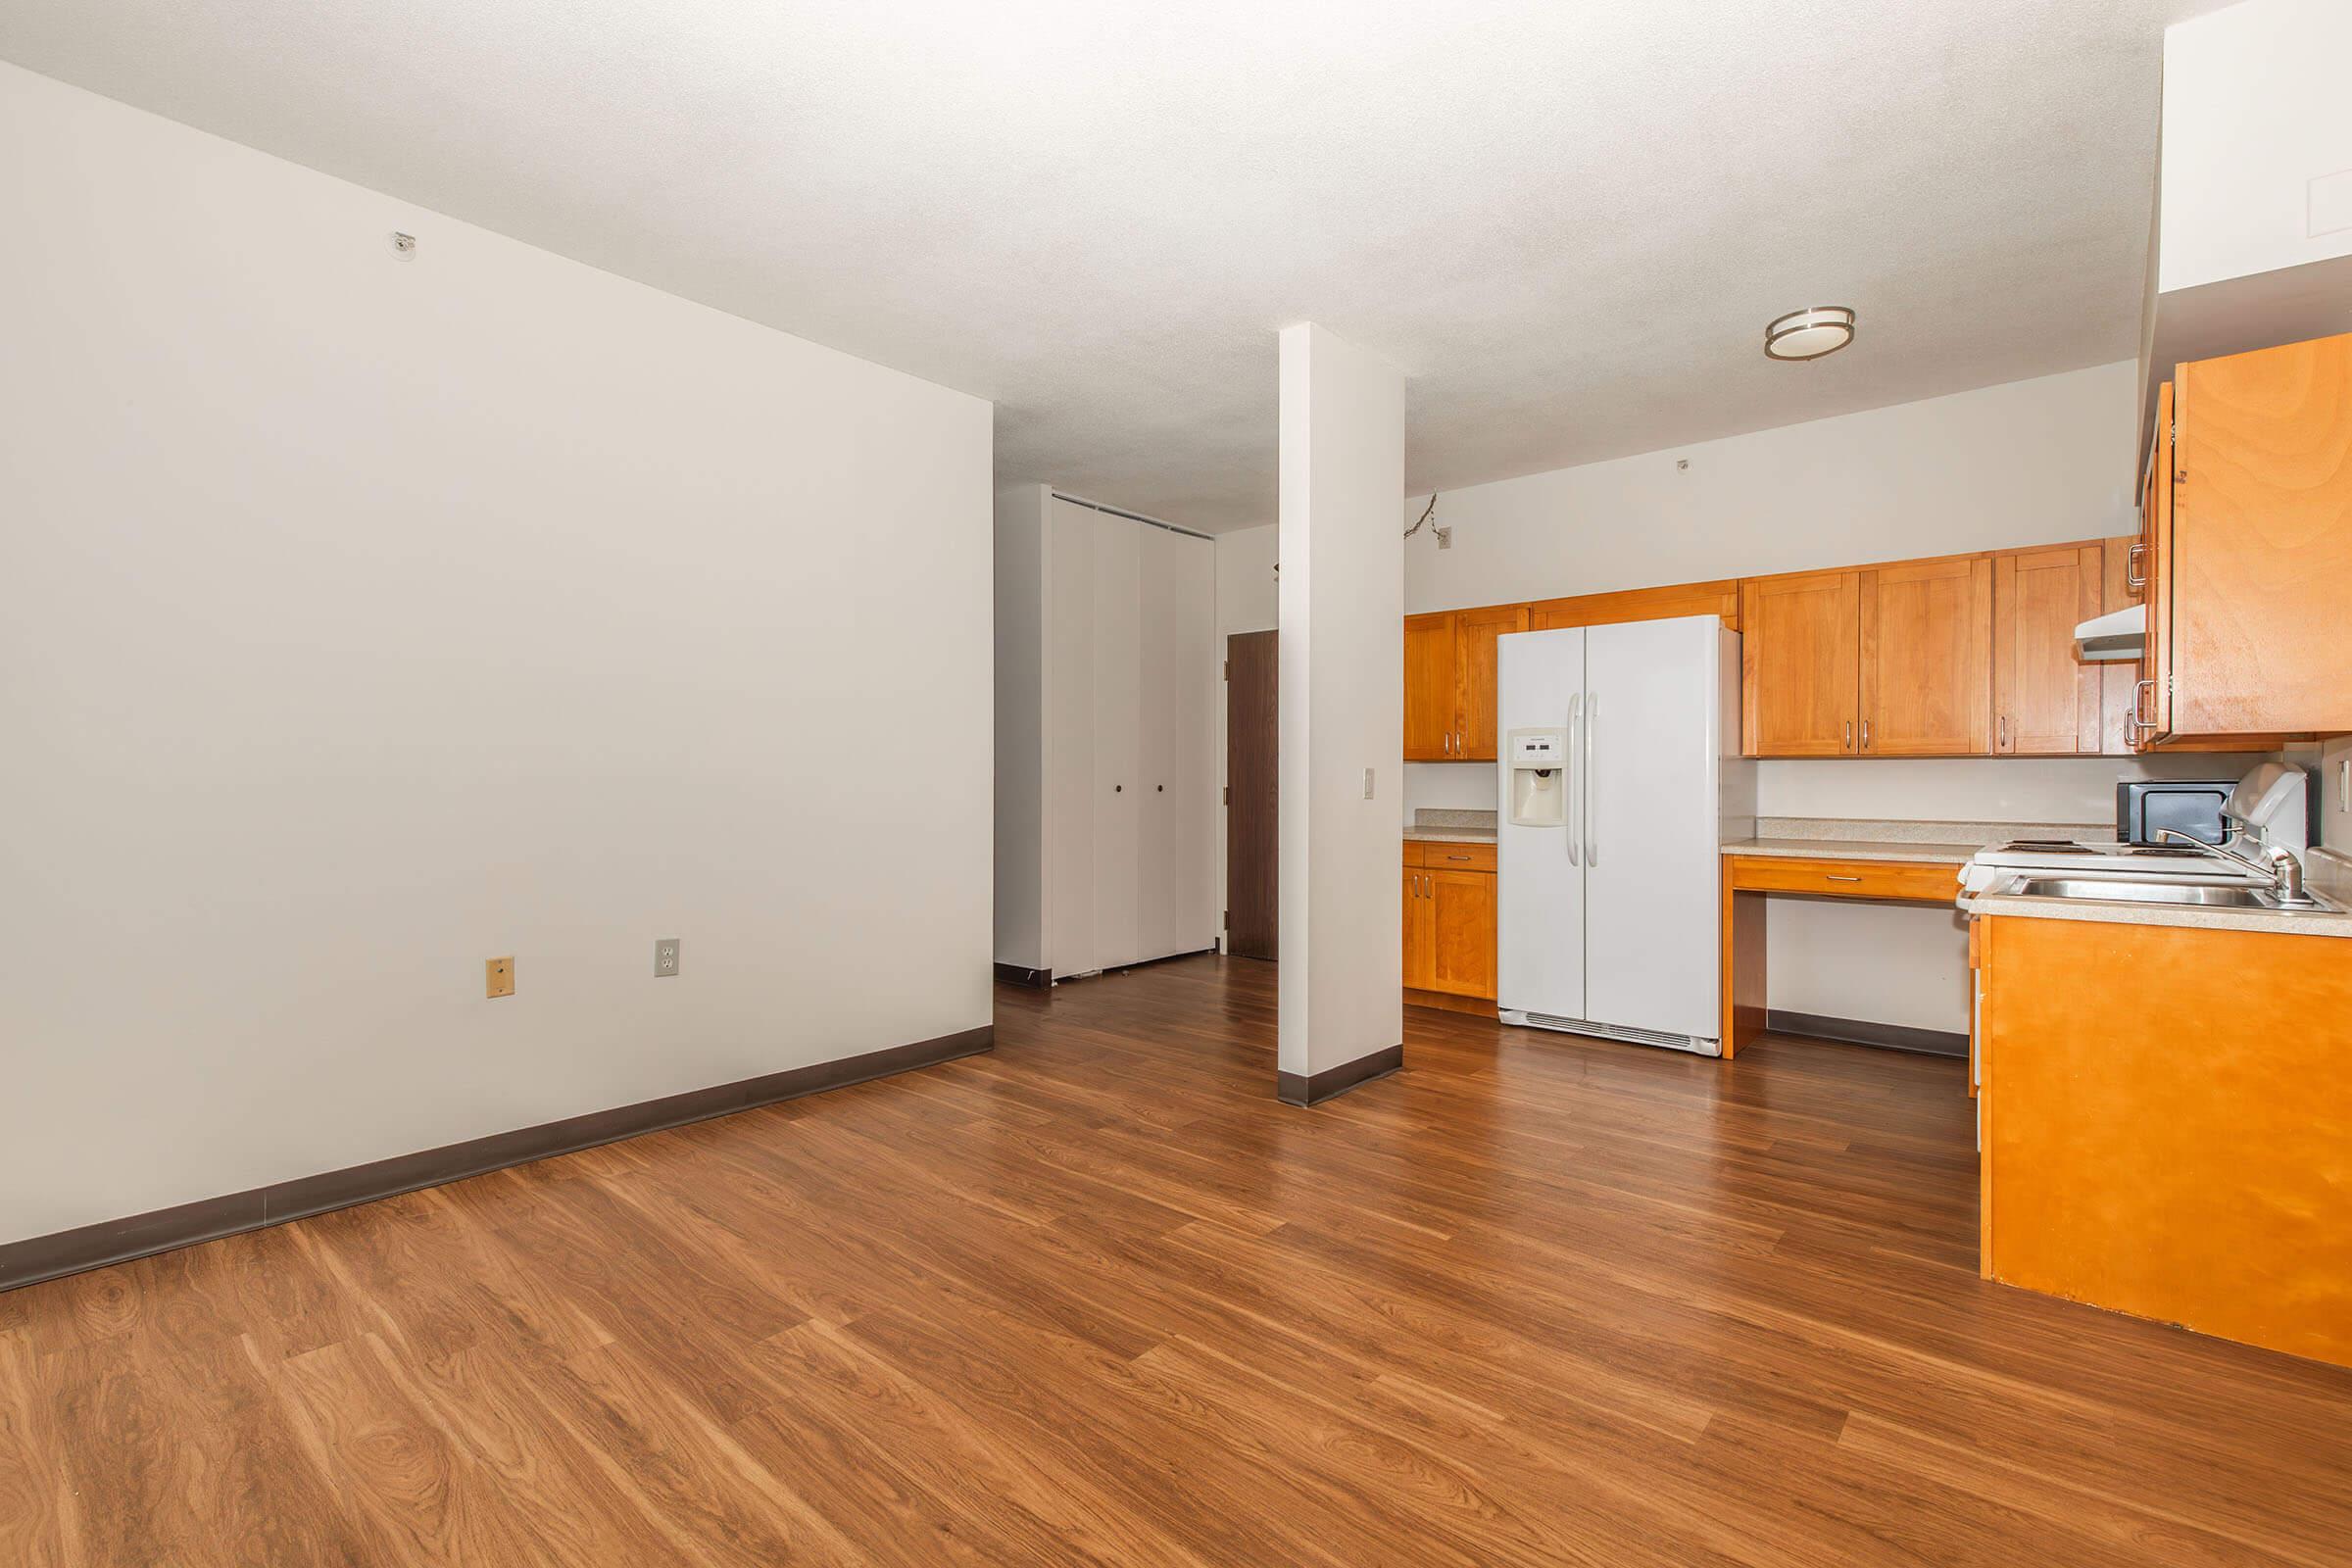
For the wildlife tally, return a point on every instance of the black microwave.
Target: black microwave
(2145, 806)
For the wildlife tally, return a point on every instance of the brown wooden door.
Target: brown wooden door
(1252, 688)
(1927, 658)
(2260, 559)
(1460, 952)
(1475, 632)
(1416, 929)
(1800, 648)
(1429, 688)
(2045, 701)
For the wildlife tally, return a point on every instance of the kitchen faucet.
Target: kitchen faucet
(2280, 864)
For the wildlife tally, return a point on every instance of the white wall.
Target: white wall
(1020, 626)
(2027, 462)
(1342, 701)
(362, 618)
(2256, 173)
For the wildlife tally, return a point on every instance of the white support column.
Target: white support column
(1341, 713)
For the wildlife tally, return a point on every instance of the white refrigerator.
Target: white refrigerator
(1620, 780)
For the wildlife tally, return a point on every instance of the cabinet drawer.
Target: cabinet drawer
(1412, 853)
(1452, 857)
(1926, 882)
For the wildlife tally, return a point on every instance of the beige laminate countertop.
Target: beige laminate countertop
(1448, 835)
(2309, 923)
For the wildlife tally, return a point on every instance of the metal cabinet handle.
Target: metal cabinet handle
(2133, 579)
(2137, 707)
(2002, 740)
(1866, 734)
(1849, 735)
(1831, 878)
(1457, 856)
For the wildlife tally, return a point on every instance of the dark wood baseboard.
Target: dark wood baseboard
(45, 1258)
(1861, 1032)
(1447, 1001)
(1297, 1089)
(1012, 974)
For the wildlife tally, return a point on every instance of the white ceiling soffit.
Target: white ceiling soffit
(1568, 223)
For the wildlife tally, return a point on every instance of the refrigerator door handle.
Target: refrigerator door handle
(1592, 783)
(1576, 720)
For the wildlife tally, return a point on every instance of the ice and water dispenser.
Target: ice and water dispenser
(1538, 765)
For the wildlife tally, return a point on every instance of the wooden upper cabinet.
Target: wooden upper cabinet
(1927, 658)
(1450, 682)
(1718, 598)
(1429, 683)
(2252, 567)
(1474, 634)
(1800, 653)
(2152, 694)
(2122, 580)
(2046, 701)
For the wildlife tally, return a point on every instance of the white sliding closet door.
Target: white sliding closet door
(1119, 787)
(1069, 729)
(1178, 774)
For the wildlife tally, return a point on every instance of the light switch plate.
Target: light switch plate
(1367, 783)
(498, 977)
(665, 957)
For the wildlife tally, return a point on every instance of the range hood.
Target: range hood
(2116, 638)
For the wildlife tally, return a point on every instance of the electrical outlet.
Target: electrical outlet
(665, 957)
(499, 977)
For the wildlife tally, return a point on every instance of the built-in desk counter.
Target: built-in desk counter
(1900, 863)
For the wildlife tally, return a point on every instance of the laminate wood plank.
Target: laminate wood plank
(1098, 1299)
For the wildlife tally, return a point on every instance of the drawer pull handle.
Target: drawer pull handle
(1846, 879)
(1457, 856)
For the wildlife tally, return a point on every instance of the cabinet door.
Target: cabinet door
(1429, 688)
(1461, 946)
(1474, 634)
(1118, 740)
(2045, 701)
(1799, 652)
(2260, 558)
(1176, 778)
(1416, 929)
(2123, 579)
(2152, 697)
(1927, 658)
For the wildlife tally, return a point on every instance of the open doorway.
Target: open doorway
(1252, 692)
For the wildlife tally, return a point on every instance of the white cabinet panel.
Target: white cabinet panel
(1069, 773)
(1118, 741)
(1177, 772)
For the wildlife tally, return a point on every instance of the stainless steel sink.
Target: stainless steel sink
(2207, 895)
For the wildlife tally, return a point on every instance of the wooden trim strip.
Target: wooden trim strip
(47, 1257)
(1297, 1089)
(1014, 974)
(1862, 1032)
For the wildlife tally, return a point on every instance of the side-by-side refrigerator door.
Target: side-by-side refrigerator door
(1652, 730)
(1539, 898)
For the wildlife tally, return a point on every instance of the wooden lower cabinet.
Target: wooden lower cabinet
(1450, 922)
(2186, 1156)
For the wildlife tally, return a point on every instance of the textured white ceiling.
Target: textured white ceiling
(1567, 222)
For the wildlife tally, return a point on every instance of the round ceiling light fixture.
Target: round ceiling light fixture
(1810, 333)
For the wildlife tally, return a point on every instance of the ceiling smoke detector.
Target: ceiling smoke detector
(1810, 333)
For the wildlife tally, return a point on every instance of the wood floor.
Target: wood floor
(1099, 1299)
